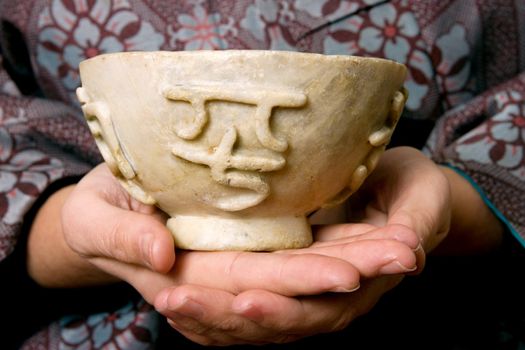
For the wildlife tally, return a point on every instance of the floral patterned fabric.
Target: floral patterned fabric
(465, 60)
(130, 327)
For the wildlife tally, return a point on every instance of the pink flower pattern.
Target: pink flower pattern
(451, 57)
(386, 31)
(71, 31)
(269, 22)
(502, 139)
(7, 86)
(130, 327)
(201, 30)
(24, 172)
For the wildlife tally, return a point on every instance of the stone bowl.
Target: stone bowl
(238, 147)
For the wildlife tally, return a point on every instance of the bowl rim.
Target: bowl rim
(246, 52)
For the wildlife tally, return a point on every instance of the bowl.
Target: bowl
(238, 147)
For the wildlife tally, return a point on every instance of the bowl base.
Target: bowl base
(216, 233)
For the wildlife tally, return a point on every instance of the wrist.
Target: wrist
(474, 229)
(50, 261)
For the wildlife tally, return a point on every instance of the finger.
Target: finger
(337, 234)
(290, 275)
(336, 231)
(372, 257)
(108, 231)
(287, 274)
(346, 233)
(205, 316)
(353, 232)
(431, 224)
(313, 314)
(305, 316)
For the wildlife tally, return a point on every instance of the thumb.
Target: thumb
(95, 228)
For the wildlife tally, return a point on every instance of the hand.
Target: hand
(406, 194)
(217, 317)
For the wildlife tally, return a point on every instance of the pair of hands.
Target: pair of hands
(220, 298)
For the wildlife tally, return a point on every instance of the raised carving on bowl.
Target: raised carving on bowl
(221, 159)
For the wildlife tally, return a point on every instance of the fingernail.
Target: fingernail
(341, 289)
(419, 247)
(189, 308)
(396, 267)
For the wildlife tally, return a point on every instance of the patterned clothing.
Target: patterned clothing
(466, 62)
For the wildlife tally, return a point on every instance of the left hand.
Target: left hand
(212, 316)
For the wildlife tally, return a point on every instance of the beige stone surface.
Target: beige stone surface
(238, 147)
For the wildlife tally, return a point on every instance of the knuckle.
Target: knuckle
(344, 318)
(339, 324)
(203, 340)
(285, 338)
(230, 326)
(194, 327)
(195, 337)
(114, 242)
